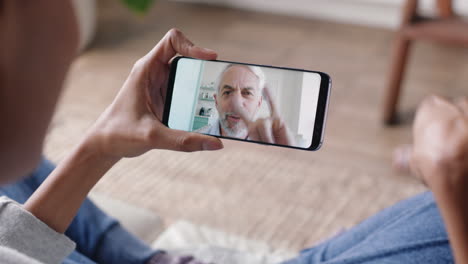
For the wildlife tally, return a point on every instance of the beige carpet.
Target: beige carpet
(214, 246)
(286, 198)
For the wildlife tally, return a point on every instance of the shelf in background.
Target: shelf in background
(207, 99)
(207, 117)
(207, 88)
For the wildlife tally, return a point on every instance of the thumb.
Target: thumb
(179, 140)
(403, 160)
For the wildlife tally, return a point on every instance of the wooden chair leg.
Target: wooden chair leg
(445, 8)
(409, 12)
(398, 66)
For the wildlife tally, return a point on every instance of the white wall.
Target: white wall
(378, 13)
(185, 94)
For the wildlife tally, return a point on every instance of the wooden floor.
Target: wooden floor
(288, 198)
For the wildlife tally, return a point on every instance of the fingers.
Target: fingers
(271, 102)
(432, 108)
(402, 157)
(265, 130)
(253, 133)
(179, 140)
(437, 103)
(462, 104)
(271, 131)
(201, 53)
(175, 42)
(281, 133)
(403, 161)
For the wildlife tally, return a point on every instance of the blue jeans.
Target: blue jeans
(98, 237)
(410, 232)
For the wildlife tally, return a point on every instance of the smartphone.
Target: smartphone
(255, 103)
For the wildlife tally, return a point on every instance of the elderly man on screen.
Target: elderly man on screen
(238, 100)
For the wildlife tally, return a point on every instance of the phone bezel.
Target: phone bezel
(321, 111)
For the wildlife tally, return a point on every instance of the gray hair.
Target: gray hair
(254, 69)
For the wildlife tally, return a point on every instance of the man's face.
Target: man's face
(238, 91)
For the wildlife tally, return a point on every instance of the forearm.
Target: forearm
(59, 197)
(454, 209)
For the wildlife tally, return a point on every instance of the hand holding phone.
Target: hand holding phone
(132, 124)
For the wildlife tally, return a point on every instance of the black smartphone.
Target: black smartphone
(248, 102)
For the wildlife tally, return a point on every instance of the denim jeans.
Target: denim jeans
(410, 232)
(99, 238)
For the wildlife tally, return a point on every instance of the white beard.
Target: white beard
(237, 131)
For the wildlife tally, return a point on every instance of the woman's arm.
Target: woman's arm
(454, 209)
(129, 127)
(440, 158)
(60, 196)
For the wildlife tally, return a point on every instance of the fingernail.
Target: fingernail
(212, 145)
(208, 50)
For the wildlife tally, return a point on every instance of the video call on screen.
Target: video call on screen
(245, 102)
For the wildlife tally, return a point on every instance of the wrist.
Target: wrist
(59, 197)
(96, 138)
(446, 177)
(91, 148)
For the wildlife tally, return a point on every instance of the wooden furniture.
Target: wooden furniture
(446, 28)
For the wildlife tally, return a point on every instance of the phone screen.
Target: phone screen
(263, 104)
